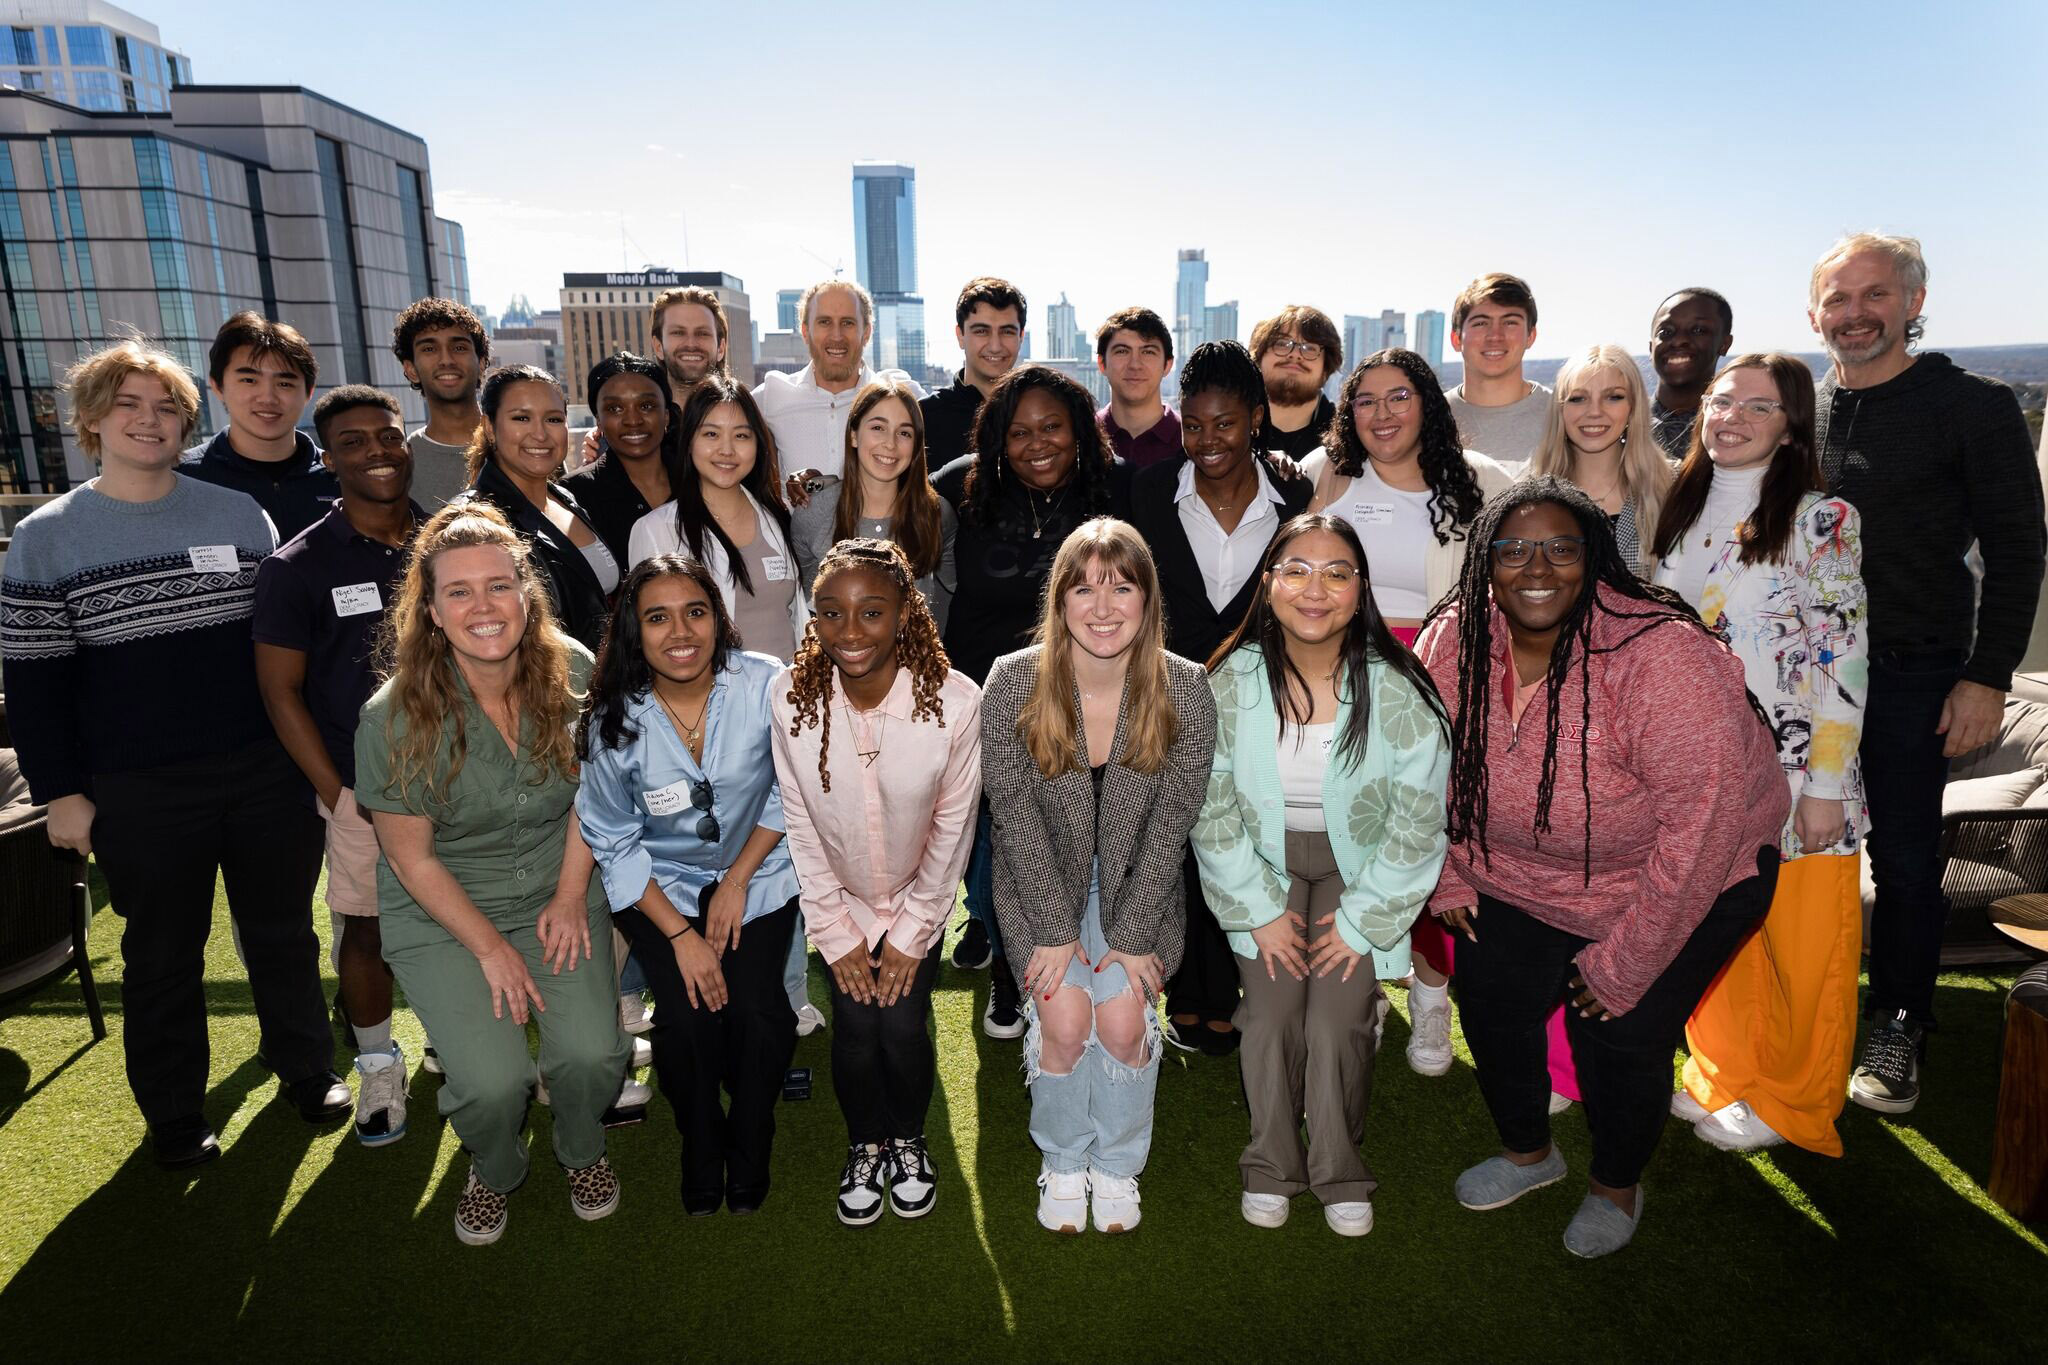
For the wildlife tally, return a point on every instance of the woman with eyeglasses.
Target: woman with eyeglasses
(681, 809)
(1574, 686)
(1598, 437)
(1319, 842)
(1774, 567)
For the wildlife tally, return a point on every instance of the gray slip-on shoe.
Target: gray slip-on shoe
(1497, 1182)
(1599, 1228)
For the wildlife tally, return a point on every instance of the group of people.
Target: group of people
(1216, 711)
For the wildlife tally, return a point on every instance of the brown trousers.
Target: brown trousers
(1307, 1053)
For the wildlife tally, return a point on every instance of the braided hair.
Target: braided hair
(1454, 494)
(1605, 568)
(917, 647)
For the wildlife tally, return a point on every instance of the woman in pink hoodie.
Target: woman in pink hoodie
(1573, 687)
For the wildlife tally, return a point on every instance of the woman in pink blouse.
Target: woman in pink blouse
(879, 825)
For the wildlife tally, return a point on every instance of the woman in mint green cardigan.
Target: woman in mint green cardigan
(1319, 841)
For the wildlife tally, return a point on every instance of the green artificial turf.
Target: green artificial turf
(301, 1244)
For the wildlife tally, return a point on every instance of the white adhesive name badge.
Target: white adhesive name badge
(776, 567)
(214, 559)
(357, 599)
(1376, 513)
(668, 800)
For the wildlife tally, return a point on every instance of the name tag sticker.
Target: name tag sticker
(667, 800)
(1376, 513)
(357, 599)
(214, 559)
(776, 567)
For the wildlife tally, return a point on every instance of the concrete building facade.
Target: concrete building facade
(607, 311)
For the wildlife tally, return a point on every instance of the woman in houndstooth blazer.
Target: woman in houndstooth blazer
(1095, 755)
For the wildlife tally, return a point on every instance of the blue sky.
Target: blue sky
(1350, 156)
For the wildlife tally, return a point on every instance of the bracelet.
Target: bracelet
(680, 932)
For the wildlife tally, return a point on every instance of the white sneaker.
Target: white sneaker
(1429, 1044)
(431, 1060)
(643, 1053)
(1737, 1129)
(1352, 1218)
(809, 1019)
(1113, 1200)
(380, 1101)
(1062, 1200)
(1263, 1210)
(633, 1014)
(1558, 1104)
(632, 1094)
(1685, 1108)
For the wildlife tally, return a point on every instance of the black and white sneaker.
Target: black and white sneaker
(863, 1186)
(1003, 1018)
(972, 952)
(912, 1187)
(1887, 1075)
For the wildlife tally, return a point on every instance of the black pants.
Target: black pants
(1205, 983)
(1903, 775)
(744, 1047)
(1516, 973)
(883, 1062)
(160, 836)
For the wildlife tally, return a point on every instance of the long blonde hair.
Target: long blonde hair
(420, 663)
(1646, 472)
(1046, 721)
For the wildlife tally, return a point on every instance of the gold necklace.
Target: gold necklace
(868, 756)
(692, 734)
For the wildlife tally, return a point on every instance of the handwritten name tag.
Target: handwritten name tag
(776, 567)
(668, 800)
(214, 559)
(1376, 514)
(357, 599)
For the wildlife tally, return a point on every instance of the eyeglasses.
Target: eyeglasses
(1756, 409)
(1308, 350)
(1559, 550)
(1295, 574)
(707, 823)
(1395, 401)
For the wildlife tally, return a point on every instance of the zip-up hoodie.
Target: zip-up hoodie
(1935, 458)
(1684, 781)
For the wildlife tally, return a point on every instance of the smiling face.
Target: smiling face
(1135, 365)
(1387, 415)
(1861, 309)
(990, 339)
(144, 429)
(1737, 438)
(1040, 443)
(366, 449)
(1316, 609)
(1103, 611)
(723, 449)
(836, 336)
(263, 394)
(859, 610)
(1493, 340)
(688, 343)
(531, 430)
(1538, 595)
(632, 416)
(477, 602)
(678, 628)
(1686, 338)
(1596, 412)
(1216, 430)
(885, 442)
(444, 365)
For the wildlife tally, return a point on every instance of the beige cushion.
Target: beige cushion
(2022, 743)
(2003, 792)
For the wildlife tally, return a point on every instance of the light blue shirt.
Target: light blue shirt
(635, 801)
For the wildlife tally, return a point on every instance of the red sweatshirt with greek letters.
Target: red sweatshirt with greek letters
(1684, 781)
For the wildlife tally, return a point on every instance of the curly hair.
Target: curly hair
(432, 314)
(1454, 495)
(622, 672)
(1092, 451)
(1605, 568)
(917, 646)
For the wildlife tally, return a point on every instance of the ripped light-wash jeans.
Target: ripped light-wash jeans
(1100, 1113)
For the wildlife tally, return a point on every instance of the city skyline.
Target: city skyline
(1488, 166)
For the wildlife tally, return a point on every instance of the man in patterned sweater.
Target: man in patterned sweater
(131, 690)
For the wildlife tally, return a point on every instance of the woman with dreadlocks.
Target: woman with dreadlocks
(1573, 685)
(879, 826)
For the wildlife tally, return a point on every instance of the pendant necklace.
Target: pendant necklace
(1031, 501)
(692, 734)
(868, 756)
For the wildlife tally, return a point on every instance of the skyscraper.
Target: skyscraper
(1190, 301)
(1429, 337)
(1063, 340)
(885, 261)
(1219, 322)
(1358, 340)
(786, 301)
(91, 54)
(1393, 328)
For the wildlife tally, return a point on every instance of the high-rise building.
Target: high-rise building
(885, 261)
(786, 302)
(609, 311)
(1190, 301)
(1358, 339)
(1393, 328)
(1429, 337)
(90, 54)
(1219, 322)
(1062, 338)
(266, 197)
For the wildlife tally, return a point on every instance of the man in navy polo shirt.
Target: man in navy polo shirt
(263, 373)
(320, 603)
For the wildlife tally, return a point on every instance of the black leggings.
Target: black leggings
(883, 1062)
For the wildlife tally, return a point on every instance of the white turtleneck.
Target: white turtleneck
(1730, 499)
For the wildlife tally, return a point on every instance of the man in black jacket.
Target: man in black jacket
(263, 373)
(988, 322)
(1935, 459)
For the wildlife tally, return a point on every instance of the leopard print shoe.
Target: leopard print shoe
(480, 1214)
(594, 1190)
